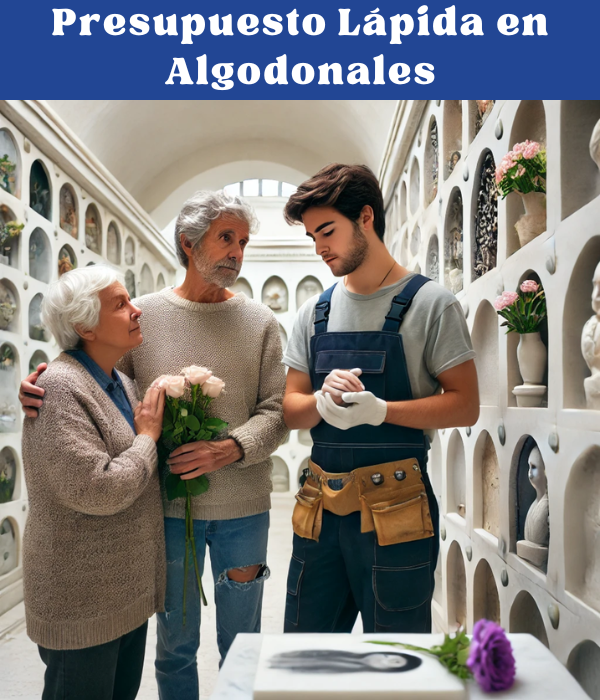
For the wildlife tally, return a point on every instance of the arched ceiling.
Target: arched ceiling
(155, 147)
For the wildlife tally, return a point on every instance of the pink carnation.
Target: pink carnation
(509, 160)
(529, 286)
(531, 150)
(507, 299)
(520, 147)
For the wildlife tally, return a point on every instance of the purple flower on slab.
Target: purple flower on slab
(491, 659)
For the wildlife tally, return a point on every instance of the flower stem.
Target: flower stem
(188, 512)
(185, 565)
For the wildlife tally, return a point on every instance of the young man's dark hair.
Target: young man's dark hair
(347, 188)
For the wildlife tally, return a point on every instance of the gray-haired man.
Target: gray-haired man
(202, 322)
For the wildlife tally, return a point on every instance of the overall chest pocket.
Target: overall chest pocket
(371, 362)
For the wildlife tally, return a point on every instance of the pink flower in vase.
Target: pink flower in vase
(531, 150)
(507, 299)
(529, 286)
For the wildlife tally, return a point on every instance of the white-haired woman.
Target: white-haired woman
(93, 548)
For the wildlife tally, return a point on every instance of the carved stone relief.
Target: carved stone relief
(534, 545)
(486, 220)
(433, 260)
(454, 245)
(275, 295)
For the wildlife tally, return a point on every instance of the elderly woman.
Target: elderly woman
(93, 548)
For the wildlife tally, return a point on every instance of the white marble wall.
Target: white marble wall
(475, 469)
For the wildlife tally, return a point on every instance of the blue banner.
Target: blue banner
(262, 49)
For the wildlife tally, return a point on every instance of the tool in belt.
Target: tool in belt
(391, 498)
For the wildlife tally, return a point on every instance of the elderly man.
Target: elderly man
(202, 322)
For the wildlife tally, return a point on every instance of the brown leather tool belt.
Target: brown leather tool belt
(391, 498)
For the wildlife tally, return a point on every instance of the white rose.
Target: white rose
(174, 386)
(195, 374)
(212, 387)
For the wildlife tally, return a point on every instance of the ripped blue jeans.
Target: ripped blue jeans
(236, 543)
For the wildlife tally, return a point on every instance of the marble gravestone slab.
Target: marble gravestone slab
(345, 667)
(540, 675)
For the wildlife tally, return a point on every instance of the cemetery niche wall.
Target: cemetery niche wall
(520, 490)
(43, 234)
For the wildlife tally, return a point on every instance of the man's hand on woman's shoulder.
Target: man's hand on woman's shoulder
(31, 395)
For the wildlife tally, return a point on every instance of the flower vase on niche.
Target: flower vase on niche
(532, 357)
(523, 170)
(523, 314)
(533, 221)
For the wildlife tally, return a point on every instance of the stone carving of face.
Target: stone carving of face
(596, 291)
(537, 471)
(275, 297)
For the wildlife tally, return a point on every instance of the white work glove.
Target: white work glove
(365, 409)
(340, 380)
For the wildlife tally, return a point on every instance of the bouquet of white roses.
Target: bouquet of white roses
(186, 419)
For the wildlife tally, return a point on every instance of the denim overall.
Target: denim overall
(346, 571)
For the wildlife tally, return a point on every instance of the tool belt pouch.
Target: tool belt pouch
(308, 511)
(394, 502)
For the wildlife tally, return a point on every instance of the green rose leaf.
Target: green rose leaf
(175, 487)
(216, 424)
(192, 423)
(196, 486)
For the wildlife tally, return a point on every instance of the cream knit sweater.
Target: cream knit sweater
(239, 341)
(93, 547)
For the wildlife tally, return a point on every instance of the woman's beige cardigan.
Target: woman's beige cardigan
(93, 547)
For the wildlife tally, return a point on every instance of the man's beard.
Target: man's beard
(356, 256)
(222, 274)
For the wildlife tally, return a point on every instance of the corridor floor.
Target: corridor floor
(22, 671)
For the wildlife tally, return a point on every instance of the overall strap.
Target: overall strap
(401, 303)
(322, 310)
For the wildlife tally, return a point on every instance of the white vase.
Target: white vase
(533, 221)
(532, 357)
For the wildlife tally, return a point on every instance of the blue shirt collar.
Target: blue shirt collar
(106, 382)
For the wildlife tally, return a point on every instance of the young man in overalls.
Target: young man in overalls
(368, 360)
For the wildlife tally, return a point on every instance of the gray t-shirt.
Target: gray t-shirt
(434, 330)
